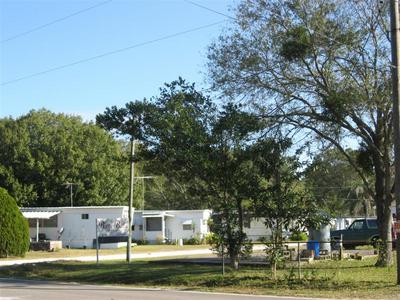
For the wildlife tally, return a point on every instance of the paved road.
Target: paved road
(12, 289)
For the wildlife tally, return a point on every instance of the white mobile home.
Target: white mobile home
(255, 229)
(74, 226)
(156, 226)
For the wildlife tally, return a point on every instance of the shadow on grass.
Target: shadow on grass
(115, 273)
(197, 276)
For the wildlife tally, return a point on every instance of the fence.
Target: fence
(295, 254)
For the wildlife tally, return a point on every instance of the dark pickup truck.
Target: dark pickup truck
(360, 232)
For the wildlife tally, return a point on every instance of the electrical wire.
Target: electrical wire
(317, 33)
(166, 37)
(53, 22)
(210, 9)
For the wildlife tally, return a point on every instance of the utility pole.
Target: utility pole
(395, 38)
(69, 185)
(131, 185)
(132, 175)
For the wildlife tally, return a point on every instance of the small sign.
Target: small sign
(113, 227)
(397, 226)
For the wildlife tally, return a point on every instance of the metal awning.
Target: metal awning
(39, 214)
(153, 216)
(156, 215)
(187, 222)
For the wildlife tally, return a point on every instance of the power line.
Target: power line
(54, 22)
(210, 9)
(111, 53)
(316, 33)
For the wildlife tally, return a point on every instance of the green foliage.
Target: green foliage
(172, 128)
(274, 255)
(280, 198)
(167, 192)
(141, 242)
(364, 159)
(14, 228)
(318, 73)
(198, 151)
(298, 236)
(216, 158)
(41, 151)
(228, 237)
(193, 241)
(211, 238)
(297, 44)
(339, 103)
(335, 186)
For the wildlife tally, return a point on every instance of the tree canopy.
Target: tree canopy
(335, 186)
(172, 130)
(319, 69)
(42, 151)
(218, 158)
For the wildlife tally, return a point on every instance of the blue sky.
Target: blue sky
(86, 89)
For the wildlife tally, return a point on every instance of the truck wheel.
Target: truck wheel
(375, 242)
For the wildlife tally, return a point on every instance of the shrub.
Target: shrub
(264, 239)
(171, 242)
(14, 228)
(160, 240)
(211, 238)
(298, 236)
(140, 242)
(192, 241)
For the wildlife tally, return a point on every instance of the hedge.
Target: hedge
(14, 228)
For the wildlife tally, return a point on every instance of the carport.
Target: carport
(39, 215)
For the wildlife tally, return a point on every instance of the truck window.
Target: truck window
(357, 225)
(372, 224)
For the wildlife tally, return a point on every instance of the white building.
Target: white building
(76, 226)
(156, 226)
(255, 229)
(341, 223)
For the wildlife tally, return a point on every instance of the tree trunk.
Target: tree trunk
(240, 217)
(231, 243)
(273, 270)
(234, 258)
(385, 233)
(383, 200)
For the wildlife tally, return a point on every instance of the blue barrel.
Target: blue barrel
(313, 245)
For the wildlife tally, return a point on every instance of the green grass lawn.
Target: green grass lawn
(92, 252)
(345, 279)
